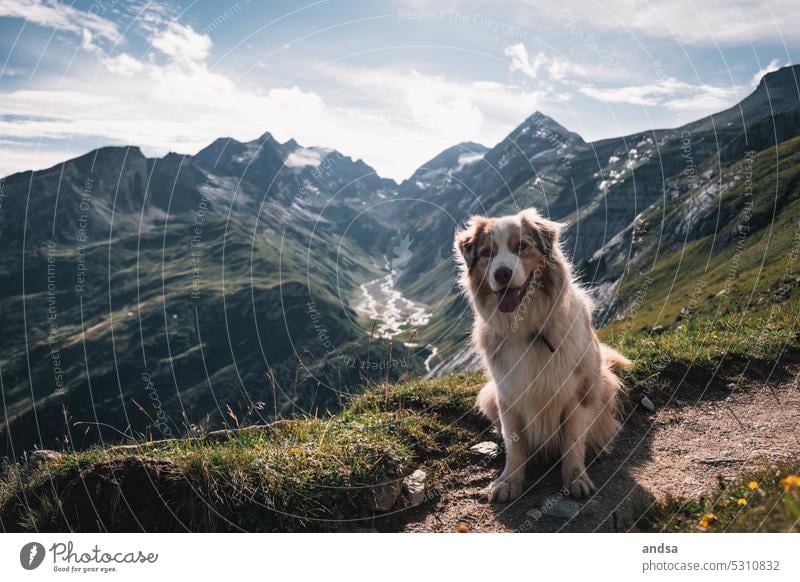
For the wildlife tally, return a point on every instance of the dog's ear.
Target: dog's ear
(544, 232)
(466, 241)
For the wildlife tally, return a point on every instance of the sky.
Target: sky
(393, 83)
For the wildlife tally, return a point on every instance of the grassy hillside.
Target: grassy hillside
(250, 329)
(764, 500)
(749, 262)
(325, 473)
(304, 474)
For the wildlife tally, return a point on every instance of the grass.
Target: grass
(322, 474)
(730, 271)
(319, 474)
(304, 474)
(709, 349)
(766, 500)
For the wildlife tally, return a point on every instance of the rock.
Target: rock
(414, 487)
(43, 456)
(731, 386)
(486, 449)
(648, 404)
(657, 329)
(385, 496)
(556, 507)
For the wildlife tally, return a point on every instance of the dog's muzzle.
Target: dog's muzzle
(509, 299)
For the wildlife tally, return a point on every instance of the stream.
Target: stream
(392, 312)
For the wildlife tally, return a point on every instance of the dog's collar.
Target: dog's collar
(541, 336)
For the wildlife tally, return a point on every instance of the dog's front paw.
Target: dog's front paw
(579, 485)
(503, 490)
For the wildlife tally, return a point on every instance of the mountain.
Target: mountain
(161, 295)
(438, 172)
(626, 200)
(156, 296)
(776, 93)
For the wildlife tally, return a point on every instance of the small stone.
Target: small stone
(43, 456)
(486, 449)
(414, 487)
(385, 496)
(462, 527)
(657, 329)
(556, 507)
(731, 386)
(648, 404)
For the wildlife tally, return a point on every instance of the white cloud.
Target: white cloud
(182, 106)
(123, 64)
(182, 43)
(87, 40)
(702, 23)
(57, 15)
(670, 93)
(17, 157)
(414, 116)
(773, 65)
(556, 67)
(435, 108)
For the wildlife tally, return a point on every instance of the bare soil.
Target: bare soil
(683, 449)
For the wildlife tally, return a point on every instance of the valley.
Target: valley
(250, 282)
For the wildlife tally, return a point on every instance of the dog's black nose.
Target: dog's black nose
(503, 275)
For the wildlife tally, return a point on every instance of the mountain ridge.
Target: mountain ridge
(270, 259)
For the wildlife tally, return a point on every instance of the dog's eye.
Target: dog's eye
(486, 253)
(522, 247)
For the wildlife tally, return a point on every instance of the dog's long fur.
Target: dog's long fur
(559, 404)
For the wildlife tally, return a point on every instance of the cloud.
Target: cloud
(123, 64)
(181, 105)
(556, 67)
(773, 65)
(437, 109)
(53, 14)
(413, 116)
(700, 23)
(17, 157)
(182, 43)
(670, 93)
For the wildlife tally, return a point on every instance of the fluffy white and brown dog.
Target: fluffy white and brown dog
(552, 393)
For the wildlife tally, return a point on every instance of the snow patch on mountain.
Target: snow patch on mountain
(467, 159)
(304, 157)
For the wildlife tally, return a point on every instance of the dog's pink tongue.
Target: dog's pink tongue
(507, 300)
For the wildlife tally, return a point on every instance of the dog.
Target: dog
(552, 392)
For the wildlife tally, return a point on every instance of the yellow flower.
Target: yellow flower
(791, 482)
(707, 519)
(741, 501)
(752, 485)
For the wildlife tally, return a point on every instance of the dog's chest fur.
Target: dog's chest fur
(533, 382)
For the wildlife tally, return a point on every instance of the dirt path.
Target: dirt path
(682, 449)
